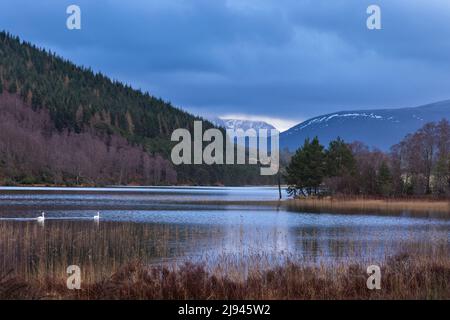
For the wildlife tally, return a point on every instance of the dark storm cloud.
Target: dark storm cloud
(287, 59)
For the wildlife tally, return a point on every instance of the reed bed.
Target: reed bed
(121, 260)
(31, 251)
(404, 276)
(420, 207)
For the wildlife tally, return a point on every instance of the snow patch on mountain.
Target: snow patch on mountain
(235, 124)
(324, 119)
(378, 128)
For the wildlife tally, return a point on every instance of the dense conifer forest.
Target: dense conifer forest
(64, 124)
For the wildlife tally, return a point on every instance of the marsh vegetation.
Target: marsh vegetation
(149, 246)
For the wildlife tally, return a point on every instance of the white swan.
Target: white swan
(97, 217)
(41, 218)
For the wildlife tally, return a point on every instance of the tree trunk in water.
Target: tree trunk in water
(279, 185)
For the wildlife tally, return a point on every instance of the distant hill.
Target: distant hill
(377, 128)
(240, 124)
(235, 124)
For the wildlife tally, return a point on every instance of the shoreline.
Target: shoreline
(347, 205)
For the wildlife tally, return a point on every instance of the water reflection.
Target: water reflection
(171, 231)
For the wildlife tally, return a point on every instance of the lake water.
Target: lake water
(163, 224)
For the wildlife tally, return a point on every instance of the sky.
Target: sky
(282, 61)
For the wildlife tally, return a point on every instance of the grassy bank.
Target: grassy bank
(404, 276)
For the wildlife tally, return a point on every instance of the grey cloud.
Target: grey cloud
(292, 58)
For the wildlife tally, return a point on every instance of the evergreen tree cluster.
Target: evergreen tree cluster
(419, 165)
(312, 164)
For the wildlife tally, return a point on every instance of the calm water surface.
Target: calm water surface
(159, 224)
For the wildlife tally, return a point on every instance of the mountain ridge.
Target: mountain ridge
(378, 128)
(231, 123)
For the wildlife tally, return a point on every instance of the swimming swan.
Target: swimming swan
(41, 218)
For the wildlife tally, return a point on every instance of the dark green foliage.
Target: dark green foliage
(307, 169)
(78, 98)
(384, 180)
(442, 174)
(417, 166)
(338, 170)
(341, 168)
(340, 159)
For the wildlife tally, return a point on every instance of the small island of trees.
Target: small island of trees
(417, 166)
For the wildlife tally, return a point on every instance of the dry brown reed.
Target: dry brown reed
(128, 261)
(404, 276)
(386, 206)
(421, 207)
(32, 251)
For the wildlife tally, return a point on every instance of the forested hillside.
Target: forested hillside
(77, 98)
(65, 124)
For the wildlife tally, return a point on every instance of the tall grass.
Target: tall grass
(404, 276)
(422, 207)
(419, 207)
(32, 251)
(140, 261)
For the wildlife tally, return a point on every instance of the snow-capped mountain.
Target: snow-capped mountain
(241, 124)
(377, 128)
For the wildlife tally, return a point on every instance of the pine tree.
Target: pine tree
(384, 180)
(306, 170)
(340, 159)
(442, 174)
